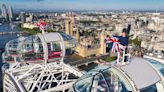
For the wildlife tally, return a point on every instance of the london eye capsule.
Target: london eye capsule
(137, 76)
(42, 47)
(46, 47)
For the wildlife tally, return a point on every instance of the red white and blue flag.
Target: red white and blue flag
(42, 25)
(116, 44)
(117, 47)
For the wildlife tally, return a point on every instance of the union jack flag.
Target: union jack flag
(116, 44)
(117, 47)
(41, 25)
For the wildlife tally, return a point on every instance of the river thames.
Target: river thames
(3, 40)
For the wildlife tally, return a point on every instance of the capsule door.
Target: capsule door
(54, 50)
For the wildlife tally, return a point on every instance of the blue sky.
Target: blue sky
(87, 4)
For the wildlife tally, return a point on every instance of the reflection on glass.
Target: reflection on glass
(159, 66)
(11, 47)
(69, 41)
(84, 85)
(151, 88)
(7, 58)
(54, 50)
(100, 81)
(31, 49)
(99, 84)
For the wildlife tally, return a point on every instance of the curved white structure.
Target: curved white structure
(137, 76)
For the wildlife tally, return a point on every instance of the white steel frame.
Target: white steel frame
(30, 77)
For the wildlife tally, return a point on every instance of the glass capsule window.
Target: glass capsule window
(31, 49)
(100, 81)
(151, 88)
(99, 84)
(11, 47)
(157, 65)
(54, 50)
(7, 58)
(115, 84)
(84, 85)
(69, 41)
(66, 37)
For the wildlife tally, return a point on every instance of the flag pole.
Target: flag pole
(43, 31)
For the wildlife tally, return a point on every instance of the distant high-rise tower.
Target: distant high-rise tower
(23, 17)
(4, 11)
(10, 13)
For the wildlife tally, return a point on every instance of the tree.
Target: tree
(110, 59)
(136, 42)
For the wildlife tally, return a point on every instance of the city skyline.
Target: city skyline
(86, 4)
